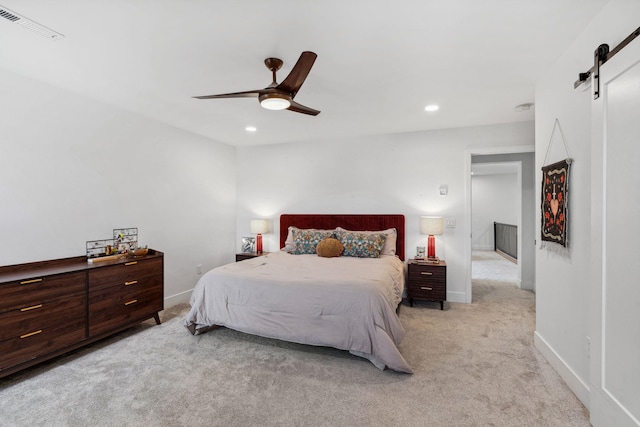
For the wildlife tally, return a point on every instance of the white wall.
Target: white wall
(398, 173)
(493, 198)
(563, 283)
(72, 170)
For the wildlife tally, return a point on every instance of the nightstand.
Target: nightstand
(427, 281)
(248, 255)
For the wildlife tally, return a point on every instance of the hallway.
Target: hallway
(492, 267)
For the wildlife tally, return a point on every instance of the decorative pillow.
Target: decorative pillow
(329, 247)
(288, 243)
(389, 247)
(361, 245)
(306, 241)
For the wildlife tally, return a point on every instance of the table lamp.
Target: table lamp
(259, 226)
(431, 226)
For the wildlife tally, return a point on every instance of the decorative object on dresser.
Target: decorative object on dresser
(48, 308)
(123, 243)
(427, 281)
(248, 255)
(432, 226)
(259, 226)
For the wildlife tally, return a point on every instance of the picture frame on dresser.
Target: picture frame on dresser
(248, 244)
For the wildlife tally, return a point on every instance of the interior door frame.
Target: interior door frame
(467, 204)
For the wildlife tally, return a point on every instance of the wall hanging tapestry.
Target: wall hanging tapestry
(555, 191)
(555, 199)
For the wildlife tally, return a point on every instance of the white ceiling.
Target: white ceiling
(379, 62)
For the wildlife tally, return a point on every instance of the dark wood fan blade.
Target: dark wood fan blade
(298, 74)
(246, 94)
(299, 108)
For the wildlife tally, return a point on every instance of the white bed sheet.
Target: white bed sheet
(346, 303)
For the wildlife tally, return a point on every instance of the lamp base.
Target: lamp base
(259, 243)
(431, 246)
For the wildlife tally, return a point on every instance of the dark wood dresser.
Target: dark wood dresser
(48, 308)
(427, 281)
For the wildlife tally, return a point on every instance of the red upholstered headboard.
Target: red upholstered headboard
(364, 222)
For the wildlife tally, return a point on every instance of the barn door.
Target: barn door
(615, 214)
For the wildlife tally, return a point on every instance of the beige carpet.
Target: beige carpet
(475, 365)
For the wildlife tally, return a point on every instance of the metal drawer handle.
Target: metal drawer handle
(26, 282)
(133, 301)
(133, 282)
(424, 288)
(33, 307)
(426, 273)
(31, 334)
(131, 263)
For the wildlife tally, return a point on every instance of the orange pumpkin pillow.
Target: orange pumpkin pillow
(329, 248)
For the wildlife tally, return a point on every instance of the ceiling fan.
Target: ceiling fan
(279, 96)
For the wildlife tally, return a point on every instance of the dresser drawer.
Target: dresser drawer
(111, 310)
(125, 273)
(43, 316)
(37, 290)
(25, 335)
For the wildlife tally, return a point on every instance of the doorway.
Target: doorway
(525, 157)
(496, 221)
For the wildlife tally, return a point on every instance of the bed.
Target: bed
(345, 302)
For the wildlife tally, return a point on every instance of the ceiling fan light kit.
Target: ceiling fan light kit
(279, 96)
(275, 101)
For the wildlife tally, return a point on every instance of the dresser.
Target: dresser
(427, 281)
(48, 308)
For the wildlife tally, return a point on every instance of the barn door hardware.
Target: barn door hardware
(600, 56)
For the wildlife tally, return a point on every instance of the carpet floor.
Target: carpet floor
(474, 364)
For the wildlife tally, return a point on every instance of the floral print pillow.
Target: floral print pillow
(361, 245)
(306, 241)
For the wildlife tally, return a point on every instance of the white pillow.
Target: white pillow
(389, 247)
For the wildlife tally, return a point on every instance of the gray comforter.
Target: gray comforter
(346, 303)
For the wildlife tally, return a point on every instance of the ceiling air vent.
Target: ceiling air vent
(29, 24)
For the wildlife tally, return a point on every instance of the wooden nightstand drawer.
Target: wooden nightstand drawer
(427, 282)
(420, 274)
(437, 293)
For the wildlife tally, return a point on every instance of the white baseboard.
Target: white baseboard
(180, 298)
(575, 383)
(456, 297)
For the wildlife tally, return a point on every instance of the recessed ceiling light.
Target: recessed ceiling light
(251, 128)
(431, 108)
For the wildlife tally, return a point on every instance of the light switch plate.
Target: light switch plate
(450, 223)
